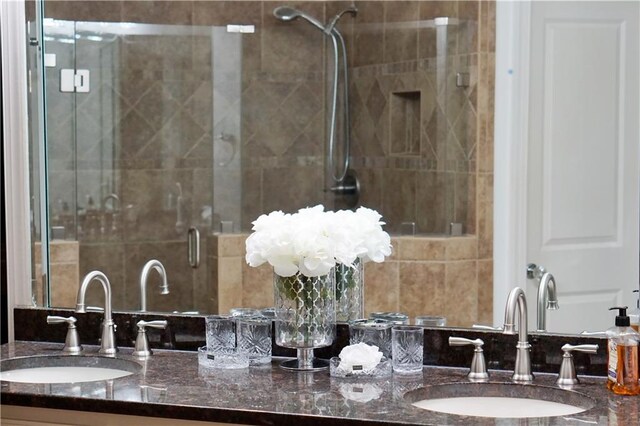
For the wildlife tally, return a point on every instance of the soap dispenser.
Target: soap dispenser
(622, 366)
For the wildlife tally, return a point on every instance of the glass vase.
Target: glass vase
(350, 291)
(305, 317)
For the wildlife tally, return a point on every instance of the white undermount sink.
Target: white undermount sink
(65, 369)
(499, 400)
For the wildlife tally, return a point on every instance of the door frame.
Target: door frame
(16, 156)
(511, 124)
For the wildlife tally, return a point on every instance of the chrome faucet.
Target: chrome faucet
(547, 299)
(144, 276)
(517, 299)
(108, 343)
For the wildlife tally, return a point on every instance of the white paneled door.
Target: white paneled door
(583, 158)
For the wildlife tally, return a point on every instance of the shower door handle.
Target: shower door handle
(193, 246)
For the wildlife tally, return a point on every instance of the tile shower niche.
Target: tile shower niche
(405, 123)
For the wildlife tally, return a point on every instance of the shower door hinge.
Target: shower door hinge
(74, 81)
(50, 60)
(245, 29)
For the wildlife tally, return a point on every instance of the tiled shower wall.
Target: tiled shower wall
(420, 172)
(283, 127)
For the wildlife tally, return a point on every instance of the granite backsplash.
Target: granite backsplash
(186, 332)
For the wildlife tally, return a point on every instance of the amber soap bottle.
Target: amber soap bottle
(622, 366)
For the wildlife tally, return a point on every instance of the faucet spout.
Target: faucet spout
(518, 300)
(108, 343)
(547, 299)
(144, 276)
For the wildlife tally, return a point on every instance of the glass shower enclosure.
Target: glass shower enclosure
(142, 146)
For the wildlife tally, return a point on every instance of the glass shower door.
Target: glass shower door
(143, 151)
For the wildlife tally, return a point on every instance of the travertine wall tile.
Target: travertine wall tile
(229, 245)
(381, 287)
(229, 283)
(220, 13)
(462, 248)
(158, 12)
(290, 189)
(485, 216)
(368, 44)
(257, 286)
(67, 281)
(63, 251)
(85, 10)
(292, 46)
(461, 300)
(413, 248)
(401, 44)
(422, 288)
(485, 292)
(398, 197)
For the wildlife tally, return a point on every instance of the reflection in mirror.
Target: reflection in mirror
(575, 169)
(200, 124)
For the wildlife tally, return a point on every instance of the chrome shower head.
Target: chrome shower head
(287, 14)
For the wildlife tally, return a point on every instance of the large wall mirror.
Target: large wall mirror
(161, 130)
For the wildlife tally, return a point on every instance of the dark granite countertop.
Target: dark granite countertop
(172, 385)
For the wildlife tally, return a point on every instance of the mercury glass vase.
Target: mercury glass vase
(305, 317)
(350, 291)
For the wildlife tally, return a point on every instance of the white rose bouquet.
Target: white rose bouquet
(312, 241)
(303, 248)
(364, 226)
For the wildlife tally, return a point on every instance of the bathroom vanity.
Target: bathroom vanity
(172, 386)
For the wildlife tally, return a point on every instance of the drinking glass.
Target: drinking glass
(376, 332)
(254, 339)
(407, 343)
(221, 334)
(244, 312)
(431, 321)
(394, 317)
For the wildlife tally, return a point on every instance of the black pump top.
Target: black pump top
(622, 320)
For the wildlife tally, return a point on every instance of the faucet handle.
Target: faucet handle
(478, 372)
(72, 341)
(567, 376)
(142, 349)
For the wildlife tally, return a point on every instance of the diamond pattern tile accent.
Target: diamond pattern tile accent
(376, 102)
(199, 105)
(277, 136)
(157, 105)
(302, 105)
(179, 135)
(134, 133)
